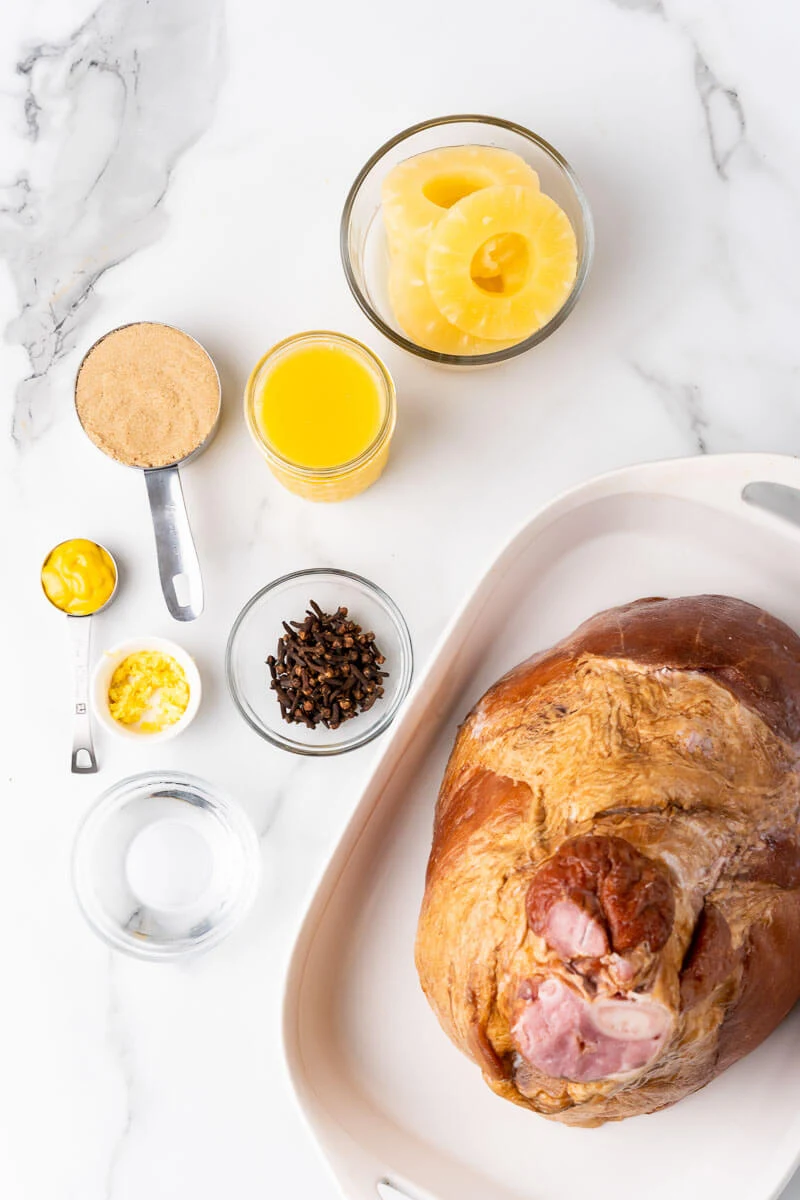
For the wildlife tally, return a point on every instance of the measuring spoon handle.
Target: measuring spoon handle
(178, 564)
(83, 758)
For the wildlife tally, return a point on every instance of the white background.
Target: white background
(186, 162)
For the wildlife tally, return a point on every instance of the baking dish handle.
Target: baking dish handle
(368, 1182)
(385, 1189)
(361, 1179)
(388, 1188)
(745, 478)
(781, 499)
(770, 482)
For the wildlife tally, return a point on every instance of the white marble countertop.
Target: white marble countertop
(185, 161)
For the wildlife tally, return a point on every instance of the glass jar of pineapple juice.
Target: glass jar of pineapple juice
(321, 408)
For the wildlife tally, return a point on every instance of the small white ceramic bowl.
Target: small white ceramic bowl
(108, 664)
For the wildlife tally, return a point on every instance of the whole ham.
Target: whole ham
(612, 906)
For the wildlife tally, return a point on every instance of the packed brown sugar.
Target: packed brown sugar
(147, 395)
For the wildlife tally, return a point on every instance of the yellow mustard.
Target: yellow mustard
(148, 690)
(78, 577)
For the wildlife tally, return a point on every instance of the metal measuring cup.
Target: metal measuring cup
(80, 629)
(178, 564)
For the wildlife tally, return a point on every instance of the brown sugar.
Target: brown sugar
(147, 395)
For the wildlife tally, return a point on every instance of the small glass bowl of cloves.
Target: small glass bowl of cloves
(319, 661)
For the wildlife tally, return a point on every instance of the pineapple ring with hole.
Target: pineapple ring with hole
(418, 192)
(502, 262)
(420, 319)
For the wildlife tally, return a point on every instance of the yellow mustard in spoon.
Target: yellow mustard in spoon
(79, 578)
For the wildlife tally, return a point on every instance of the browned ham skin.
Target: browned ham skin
(594, 986)
(709, 959)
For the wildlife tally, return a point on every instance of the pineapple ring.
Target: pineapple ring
(418, 192)
(418, 316)
(514, 303)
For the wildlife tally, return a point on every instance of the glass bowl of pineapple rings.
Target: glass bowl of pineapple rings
(466, 240)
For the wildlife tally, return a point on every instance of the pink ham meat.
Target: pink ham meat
(601, 892)
(565, 1035)
(604, 907)
(574, 932)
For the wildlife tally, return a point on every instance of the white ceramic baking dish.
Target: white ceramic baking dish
(396, 1108)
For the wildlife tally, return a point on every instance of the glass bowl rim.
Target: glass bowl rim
(399, 622)
(237, 823)
(508, 352)
(354, 464)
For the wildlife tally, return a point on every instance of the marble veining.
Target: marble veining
(79, 206)
(278, 796)
(724, 115)
(683, 402)
(722, 108)
(650, 6)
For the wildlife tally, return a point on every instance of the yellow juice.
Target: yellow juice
(321, 406)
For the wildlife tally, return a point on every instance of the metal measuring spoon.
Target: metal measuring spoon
(80, 629)
(178, 563)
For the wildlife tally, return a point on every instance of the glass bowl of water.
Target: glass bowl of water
(165, 865)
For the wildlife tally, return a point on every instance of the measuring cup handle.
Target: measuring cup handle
(83, 759)
(178, 564)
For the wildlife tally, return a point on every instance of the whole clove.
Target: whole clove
(326, 669)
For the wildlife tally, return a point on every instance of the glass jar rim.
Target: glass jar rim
(387, 388)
